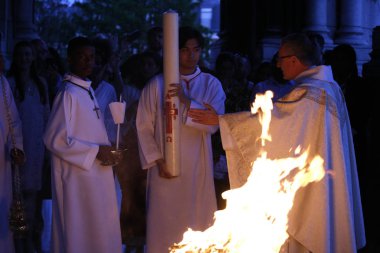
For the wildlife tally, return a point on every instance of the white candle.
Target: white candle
(118, 114)
(173, 117)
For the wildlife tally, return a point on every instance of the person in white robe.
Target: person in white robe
(85, 215)
(8, 105)
(187, 201)
(327, 215)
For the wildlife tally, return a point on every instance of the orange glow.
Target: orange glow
(255, 218)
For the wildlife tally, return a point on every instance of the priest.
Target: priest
(326, 215)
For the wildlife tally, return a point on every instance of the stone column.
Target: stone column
(24, 28)
(350, 30)
(371, 68)
(316, 19)
(270, 42)
(4, 13)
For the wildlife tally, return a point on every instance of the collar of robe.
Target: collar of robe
(83, 84)
(77, 81)
(187, 78)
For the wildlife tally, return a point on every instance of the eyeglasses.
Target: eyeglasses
(279, 58)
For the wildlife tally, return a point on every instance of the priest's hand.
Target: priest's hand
(162, 169)
(108, 155)
(17, 156)
(204, 116)
(177, 91)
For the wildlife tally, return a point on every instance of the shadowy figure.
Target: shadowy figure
(31, 95)
(356, 92)
(137, 71)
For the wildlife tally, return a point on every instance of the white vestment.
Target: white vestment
(6, 239)
(326, 216)
(85, 215)
(187, 201)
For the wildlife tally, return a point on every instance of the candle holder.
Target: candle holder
(117, 157)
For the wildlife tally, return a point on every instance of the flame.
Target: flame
(255, 218)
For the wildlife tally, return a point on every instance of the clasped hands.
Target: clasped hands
(108, 155)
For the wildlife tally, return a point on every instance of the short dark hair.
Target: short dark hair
(303, 48)
(77, 43)
(186, 33)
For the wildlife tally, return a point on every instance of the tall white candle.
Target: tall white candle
(173, 117)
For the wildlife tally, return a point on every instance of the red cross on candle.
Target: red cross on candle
(171, 112)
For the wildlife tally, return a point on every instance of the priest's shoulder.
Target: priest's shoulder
(296, 94)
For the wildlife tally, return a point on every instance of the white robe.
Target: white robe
(6, 239)
(85, 216)
(187, 201)
(326, 215)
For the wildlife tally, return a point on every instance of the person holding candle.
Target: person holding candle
(188, 200)
(85, 214)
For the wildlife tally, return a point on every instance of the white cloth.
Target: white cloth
(6, 239)
(326, 215)
(105, 94)
(85, 215)
(187, 201)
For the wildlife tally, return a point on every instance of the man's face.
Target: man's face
(24, 57)
(82, 62)
(189, 56)
(287, 61)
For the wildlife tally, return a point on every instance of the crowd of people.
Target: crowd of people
(78, 195)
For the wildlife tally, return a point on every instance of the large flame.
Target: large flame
(256, 216)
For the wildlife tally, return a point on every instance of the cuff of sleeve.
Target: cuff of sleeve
(194, 105)
(91, 156)
(152, 160)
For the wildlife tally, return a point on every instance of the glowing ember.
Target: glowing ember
(255, 218)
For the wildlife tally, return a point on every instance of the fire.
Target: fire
(255, 218)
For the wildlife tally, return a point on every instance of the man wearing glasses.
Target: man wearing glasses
(326, 216)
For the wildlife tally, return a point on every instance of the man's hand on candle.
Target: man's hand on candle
(162, 170)
(204, 116)
(177, 91)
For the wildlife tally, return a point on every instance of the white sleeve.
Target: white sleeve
(58, 138)
(146, 120)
